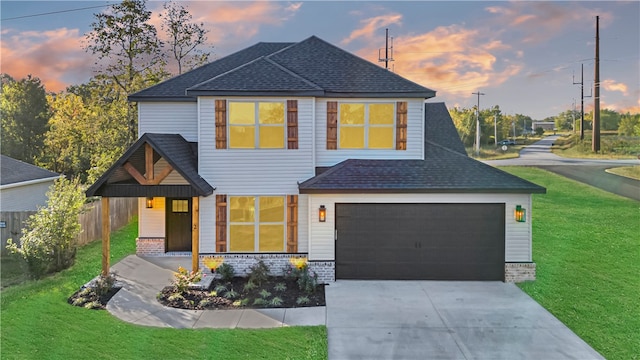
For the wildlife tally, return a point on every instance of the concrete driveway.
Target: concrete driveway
(443, 320)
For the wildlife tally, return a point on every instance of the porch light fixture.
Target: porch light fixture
(520, 214)
(322, 214)
(149, 203)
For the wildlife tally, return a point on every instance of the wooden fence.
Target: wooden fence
(121, 211)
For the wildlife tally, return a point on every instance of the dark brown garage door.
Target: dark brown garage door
(420, 241)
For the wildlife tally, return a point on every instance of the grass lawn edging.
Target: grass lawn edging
(586, 248)
(37, 322)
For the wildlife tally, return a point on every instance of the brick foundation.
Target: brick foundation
(519, 272)
(150, 246)
(276, 263)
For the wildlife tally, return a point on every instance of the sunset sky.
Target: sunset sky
(522, 55)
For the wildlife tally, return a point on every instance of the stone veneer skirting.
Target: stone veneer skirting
(148, 246)
(519, 272)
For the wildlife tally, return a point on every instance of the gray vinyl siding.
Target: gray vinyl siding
(517, 235)
(259, 171)
(415, 135)
(169, 118)
(25, 198)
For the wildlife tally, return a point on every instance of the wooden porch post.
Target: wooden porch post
(106, 234)
(195, 234)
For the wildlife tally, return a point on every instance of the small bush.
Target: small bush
(104, 284)
(264, 293)
(175, 297)
(303, 300)
(260, 302)
(49, 241)
(183, 278)
(226, 271)
(280, 287)
(258, 273)
(231, 294)
(275, 302)
(249, 286)
(219, 289)
(93, 305)
(308, 282)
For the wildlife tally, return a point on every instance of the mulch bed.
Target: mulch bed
(276, 292)
(89, 299)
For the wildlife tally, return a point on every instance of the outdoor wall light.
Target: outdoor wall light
(520, 214)
(322, 214)
(149, 203)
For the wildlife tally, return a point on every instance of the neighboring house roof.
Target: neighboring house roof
(442, 171)
(178, 152)
(15, 173)
(312, 67)
(439, 128)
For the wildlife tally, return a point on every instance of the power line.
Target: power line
(53, 12)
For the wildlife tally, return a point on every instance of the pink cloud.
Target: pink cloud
(371, 26)
(612, 85)
(451, 59)
(55, 56)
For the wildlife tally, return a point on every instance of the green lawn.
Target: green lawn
(586, 244)
(37, 323)
(632, 172)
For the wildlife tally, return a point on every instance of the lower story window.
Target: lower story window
(256, 223)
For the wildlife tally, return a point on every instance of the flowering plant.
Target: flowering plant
(183, 278)
(298, 262)
(213, 262)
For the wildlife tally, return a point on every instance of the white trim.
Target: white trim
(29, 182)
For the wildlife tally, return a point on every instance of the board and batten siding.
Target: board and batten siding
(174, 177)
(169, 118)
(415, 134)
(517, 235)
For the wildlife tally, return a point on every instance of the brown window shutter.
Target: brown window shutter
(292, 223)
(221, 223)
(401, 125)
(332, 125)
(221, 124)
(292, 124)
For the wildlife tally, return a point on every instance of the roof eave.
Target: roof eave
(391, 94)
(142, 98)
(423, 191)
(255, 93)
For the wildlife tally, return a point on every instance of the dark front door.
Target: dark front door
(420, 241)
(178, 225)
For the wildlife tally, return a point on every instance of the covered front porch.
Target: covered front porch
(160, 170)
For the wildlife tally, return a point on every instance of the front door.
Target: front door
(178, 224)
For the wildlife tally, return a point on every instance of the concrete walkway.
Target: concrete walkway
(444, 320)
(143, 278)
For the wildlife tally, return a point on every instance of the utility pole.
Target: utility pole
(582, 96)
(573, 116)
(387, 49)
(495, 128)
(595, 138)
(478, 123)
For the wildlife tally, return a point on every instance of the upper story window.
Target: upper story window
(366, 126)
(256, 125)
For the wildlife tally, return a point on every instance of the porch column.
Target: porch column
(195, 234)
(106, 234)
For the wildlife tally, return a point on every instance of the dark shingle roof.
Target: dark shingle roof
(178, 152)
(439, 128)
(311, 67)
(15, 171)
(174, 88)
(442, 171)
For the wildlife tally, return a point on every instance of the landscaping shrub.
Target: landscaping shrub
(49, 241)
(183, 278)
(226, 271)
(258, 273)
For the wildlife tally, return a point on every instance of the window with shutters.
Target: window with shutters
(257, 125)
(257, 223)
(366, 126)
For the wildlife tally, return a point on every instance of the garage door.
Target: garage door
(420, 241)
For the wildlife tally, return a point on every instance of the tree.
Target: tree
(24, 113)
(629, 125)
(184, 36)
(609, 119)
(49, 240)
(465, 122)
(127, 45)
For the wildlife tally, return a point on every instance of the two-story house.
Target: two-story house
(303, 149)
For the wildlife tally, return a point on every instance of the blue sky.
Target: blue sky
(522, 55)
